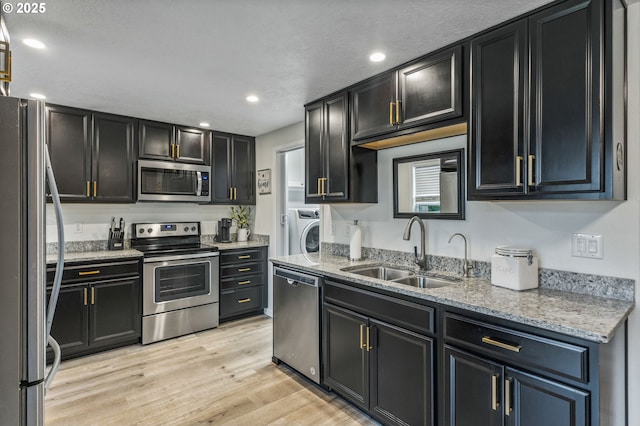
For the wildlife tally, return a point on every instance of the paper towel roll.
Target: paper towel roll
(355, 245)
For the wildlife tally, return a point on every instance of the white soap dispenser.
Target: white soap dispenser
(355, 245)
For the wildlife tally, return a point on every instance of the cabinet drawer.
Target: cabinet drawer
(522, 349)
(409, 315)
(241, 282)
(241, 256)
(239, 301)
(241, 269)
(95, 271)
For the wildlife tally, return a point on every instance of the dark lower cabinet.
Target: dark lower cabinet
(243, 282)
(481, 392)
(380, 367)
(99, 307)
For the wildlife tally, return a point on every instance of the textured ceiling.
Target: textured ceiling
(196, 60)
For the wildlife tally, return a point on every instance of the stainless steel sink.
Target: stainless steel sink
(422, 281)
(381, 272)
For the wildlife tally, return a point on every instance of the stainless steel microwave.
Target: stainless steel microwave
(171, 181)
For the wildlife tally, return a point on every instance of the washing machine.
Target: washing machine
(304, 231)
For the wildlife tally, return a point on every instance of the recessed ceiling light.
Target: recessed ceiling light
(252, 98)
(204, 124)
(32, 42)
(37, 96)
(377, 57)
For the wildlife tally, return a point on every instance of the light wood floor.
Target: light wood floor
(220, 376)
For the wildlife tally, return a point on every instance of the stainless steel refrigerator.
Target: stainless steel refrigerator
(22, 262)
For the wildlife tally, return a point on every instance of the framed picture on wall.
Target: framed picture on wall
(264, 181)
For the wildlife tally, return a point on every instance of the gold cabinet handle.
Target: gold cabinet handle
(94, 272)
(173, 150)
(245, 256)
(88, 189)
(85, 296)
(368, 346)
(93, 295)
(231, 193)
(391, 105)
(398, 111)
(494, 392)
(513, 348)
(177, 150)
(361, 336)
(519, 170)
(95, 188)
(323, 182)
(530, 174)
(507, 397)
(244, 282)
(235, 193)
(244, 300)
(244, 269)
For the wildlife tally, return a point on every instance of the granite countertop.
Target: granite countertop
(83, 256)
(588, 317)
(237, 245)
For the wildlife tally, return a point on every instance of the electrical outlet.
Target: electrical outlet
(585, 245)
(77, 228)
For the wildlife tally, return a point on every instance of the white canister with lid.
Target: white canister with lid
(355, 243)
(514, 268)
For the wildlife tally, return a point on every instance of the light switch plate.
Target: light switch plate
(586, 245)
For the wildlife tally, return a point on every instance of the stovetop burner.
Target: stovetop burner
(161, 239)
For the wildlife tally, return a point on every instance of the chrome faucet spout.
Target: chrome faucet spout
(466, 266)
(421, 257)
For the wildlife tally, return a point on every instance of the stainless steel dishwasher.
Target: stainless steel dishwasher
(296, 321)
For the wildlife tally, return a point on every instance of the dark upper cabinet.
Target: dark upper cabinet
(424, 92)
(497, 128)
(164, 141)
(334, 171)
(233, 169)
(558, 138)
(92, 154)
(113, 161)
(68, 136)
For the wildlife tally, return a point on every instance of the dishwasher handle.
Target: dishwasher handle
(295, 278)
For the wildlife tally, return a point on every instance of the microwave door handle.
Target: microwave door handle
(199, 183)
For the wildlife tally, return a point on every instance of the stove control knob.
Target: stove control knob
(186, 228)
(193, 228)
(141, 231)
(149, 230)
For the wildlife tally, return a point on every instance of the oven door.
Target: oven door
(179, 281)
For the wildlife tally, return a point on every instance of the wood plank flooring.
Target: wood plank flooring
(219, 376)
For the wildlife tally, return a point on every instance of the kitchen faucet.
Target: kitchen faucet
(466, 266)
(420, 259)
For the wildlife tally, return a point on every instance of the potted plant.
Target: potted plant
(241, 216)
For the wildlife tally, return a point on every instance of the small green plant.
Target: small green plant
(241, 215)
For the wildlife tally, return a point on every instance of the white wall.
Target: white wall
(267, 148)
(86, 222)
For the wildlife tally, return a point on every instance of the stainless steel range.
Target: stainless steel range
(180, 280)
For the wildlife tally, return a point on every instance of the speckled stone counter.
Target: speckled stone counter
(584, 316)
(94, 255)
(255, 241)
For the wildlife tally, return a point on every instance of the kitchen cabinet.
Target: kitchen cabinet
(427, 91)
(98, 307)
(495, 374)
(233, 169)
(164, 141)
(92, 154)
(243, 282)
(374, 356)
(334, 171)
(547, 116)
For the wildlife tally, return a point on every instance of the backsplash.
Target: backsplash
(595, 285)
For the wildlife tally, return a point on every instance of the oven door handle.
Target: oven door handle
(181, 257)
(199, 183)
